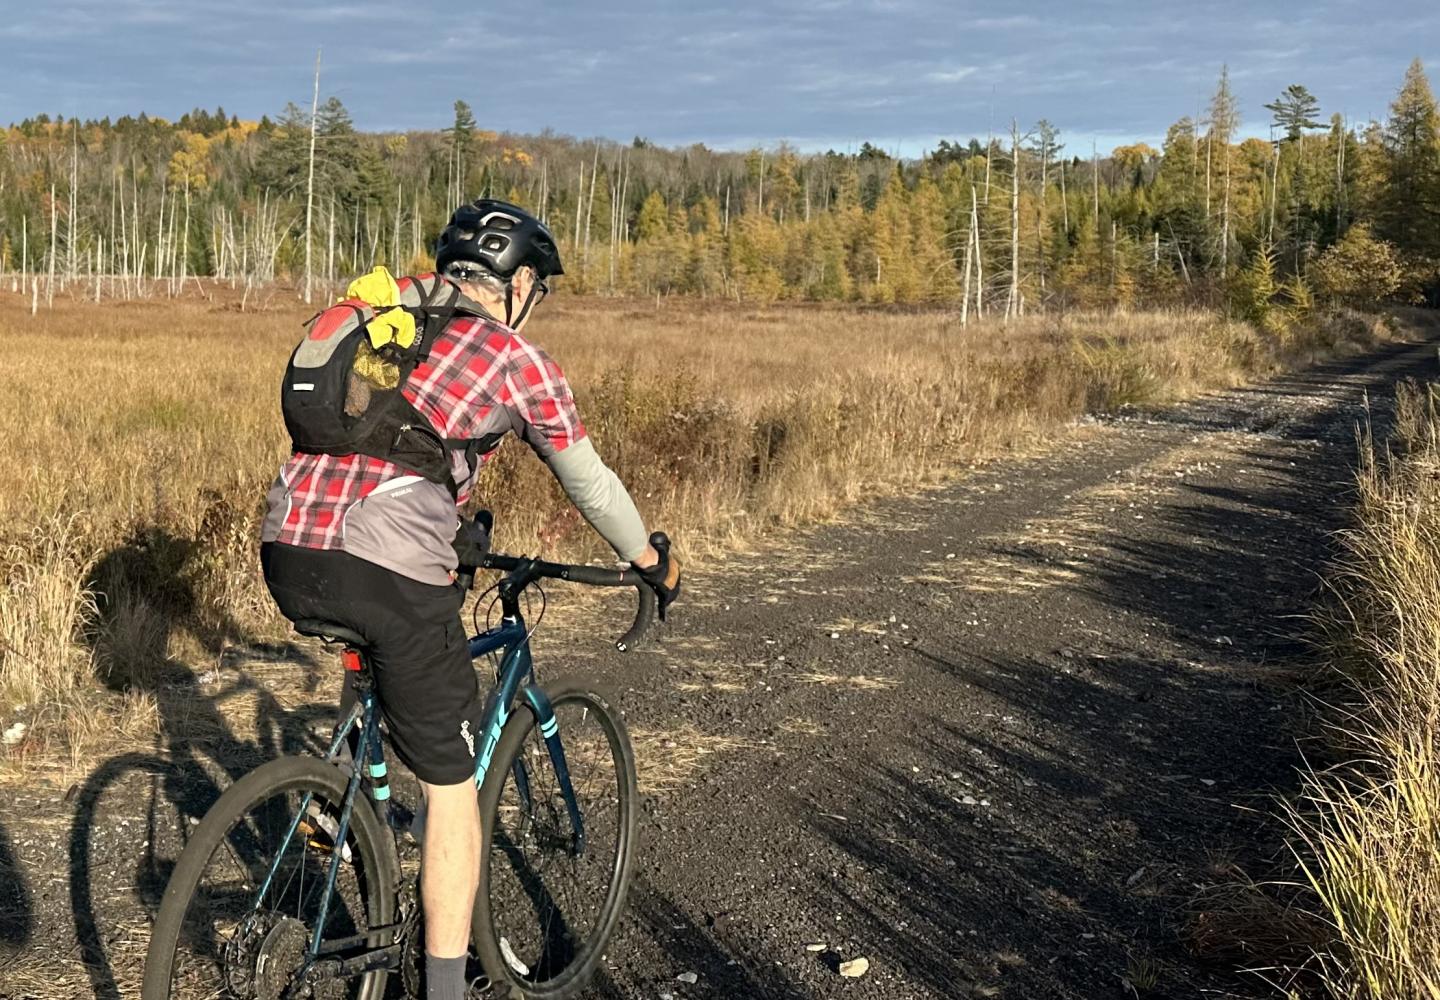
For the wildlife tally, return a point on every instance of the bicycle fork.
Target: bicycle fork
(539, 703)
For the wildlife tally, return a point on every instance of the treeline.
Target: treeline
(1008, 224)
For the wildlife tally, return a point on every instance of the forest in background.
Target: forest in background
(1009, 224)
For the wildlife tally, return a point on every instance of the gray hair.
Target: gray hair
(491, 283)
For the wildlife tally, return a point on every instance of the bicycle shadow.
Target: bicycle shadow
(17, 914)
(147, 597)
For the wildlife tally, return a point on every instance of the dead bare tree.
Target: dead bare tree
(1012, 303)
(1095, 170)
(979, 256)
(310, 175)
(589, 211)
(969, 262)
(71, 244)
(50, 282)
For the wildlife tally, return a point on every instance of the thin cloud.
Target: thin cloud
(952, 75)
(1006, 23)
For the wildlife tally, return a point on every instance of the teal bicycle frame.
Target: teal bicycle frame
(514, 683)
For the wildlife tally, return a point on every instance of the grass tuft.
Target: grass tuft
(1367, 830)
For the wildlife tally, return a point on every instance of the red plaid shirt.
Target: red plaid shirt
(480, 377)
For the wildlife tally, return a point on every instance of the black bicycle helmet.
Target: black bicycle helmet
(500, 237)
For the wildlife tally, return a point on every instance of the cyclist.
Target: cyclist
(361, 542)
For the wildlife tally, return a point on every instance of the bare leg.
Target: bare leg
(450, 867)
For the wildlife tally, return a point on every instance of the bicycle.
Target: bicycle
(530, 933)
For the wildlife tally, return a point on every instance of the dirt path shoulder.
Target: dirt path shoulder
(990, 738)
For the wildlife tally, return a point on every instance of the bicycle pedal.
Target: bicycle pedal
(481, 988)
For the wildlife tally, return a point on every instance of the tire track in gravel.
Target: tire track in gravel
(989, 737)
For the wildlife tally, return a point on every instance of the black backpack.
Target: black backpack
(341, 395)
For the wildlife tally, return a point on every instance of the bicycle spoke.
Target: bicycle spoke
(228, 926)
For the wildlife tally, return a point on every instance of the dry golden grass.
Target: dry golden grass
(143, 435)
(1369, 827)
(861, 682)
(667, 759)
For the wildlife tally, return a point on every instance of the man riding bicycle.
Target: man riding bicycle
(367, 544)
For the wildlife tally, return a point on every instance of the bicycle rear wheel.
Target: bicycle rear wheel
(545, 911)
(216, 937)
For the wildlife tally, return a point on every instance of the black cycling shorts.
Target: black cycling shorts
(418, 649)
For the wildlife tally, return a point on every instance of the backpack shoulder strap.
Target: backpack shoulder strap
(436, 317)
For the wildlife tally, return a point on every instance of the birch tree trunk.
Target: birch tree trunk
(1095, 169)
(979, 257)
(1274, 188)
(1012, 304)
(70, 246)
(185, 237)
(50, 282)
(761, 207)
(1225, 217)
(1340, 182)
(395, 247)
(579, 203)
(1064, 201)
(989, 146)
(969, 255)
(589, 211)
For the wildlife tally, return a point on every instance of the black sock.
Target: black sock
(444, 978)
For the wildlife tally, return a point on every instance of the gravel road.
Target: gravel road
(991, 738)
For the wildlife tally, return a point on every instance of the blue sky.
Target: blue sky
(819, 73)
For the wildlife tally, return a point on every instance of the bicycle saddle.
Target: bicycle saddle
(329, 631)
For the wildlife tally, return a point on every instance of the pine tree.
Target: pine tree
(1409, 210)
(1295, 111)
(460, 136)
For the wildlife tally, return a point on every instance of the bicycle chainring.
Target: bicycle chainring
(412, 935)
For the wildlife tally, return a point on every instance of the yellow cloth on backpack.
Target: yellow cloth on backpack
(391, 325)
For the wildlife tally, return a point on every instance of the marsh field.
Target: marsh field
(134, 626)
(142, 435)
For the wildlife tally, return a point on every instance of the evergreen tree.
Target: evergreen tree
(1409, 209)
(1295, 111)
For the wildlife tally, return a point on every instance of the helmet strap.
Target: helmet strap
(514, 322)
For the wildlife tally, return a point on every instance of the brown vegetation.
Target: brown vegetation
(1368, 827)
(150, 431)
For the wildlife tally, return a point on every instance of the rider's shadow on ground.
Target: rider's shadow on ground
(146, 594)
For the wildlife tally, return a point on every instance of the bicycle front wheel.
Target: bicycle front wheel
(549, 900)
(217, 935)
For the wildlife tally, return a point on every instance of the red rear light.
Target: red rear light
(351, 659)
